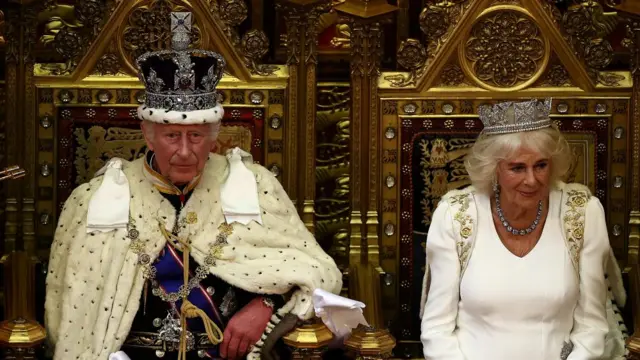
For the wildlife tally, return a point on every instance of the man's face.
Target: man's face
(181, 151)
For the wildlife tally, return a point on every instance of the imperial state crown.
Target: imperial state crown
(181, 83)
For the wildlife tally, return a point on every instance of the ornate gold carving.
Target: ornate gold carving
(585, 26)
(366, 48)
(412, 56)
(70, 29)
(343, 39)
(368, 342)
(452, 75)
(232, 13)
(333, 189)
(147, 29)
(556, 75)
(438, 20)
(98, 144)
(255, 45)
(506, 50)
(108, 64)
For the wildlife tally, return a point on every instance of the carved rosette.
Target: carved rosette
(556, 76)
(437, 21)
(90, 12)
(232, 13)
(452, 75)
(68, 43)
(434, 21)
(586, 26)
(412, 56)
(108, 64)
(505, 51)
(255, 45)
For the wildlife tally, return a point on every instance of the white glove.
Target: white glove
(120, 355)
(338, 313)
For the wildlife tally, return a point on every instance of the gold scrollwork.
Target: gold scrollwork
(506, 50)
(332, 205)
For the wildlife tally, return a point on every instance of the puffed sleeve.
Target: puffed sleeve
(589, 318)
(441, 309)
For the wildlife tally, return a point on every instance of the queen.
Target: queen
(519, 264)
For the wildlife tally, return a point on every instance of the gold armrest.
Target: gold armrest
(21, 338)
(310, 341)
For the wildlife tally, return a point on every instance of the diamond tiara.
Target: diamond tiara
(512, 117)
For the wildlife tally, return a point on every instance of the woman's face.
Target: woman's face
(524, 178)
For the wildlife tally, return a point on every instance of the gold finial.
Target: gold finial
(371, 343)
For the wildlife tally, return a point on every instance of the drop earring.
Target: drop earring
(495, 186)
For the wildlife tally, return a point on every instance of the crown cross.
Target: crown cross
(180, 30)
(181, 80)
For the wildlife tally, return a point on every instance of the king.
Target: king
(182, 253)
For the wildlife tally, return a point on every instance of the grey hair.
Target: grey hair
(149, 129)
(482, 161)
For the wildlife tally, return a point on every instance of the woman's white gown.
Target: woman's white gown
(511, 308)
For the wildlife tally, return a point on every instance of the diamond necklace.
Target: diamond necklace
(510, 228)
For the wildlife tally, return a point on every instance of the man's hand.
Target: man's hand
(244, 329)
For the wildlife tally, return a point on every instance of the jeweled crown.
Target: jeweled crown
(512, 117)
(181, 79)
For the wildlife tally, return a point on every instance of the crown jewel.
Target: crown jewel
(512, 117)
(181, 79)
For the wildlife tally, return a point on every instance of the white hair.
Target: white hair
(482, 161)
(149, 129)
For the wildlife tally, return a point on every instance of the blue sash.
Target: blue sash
(170, 276)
